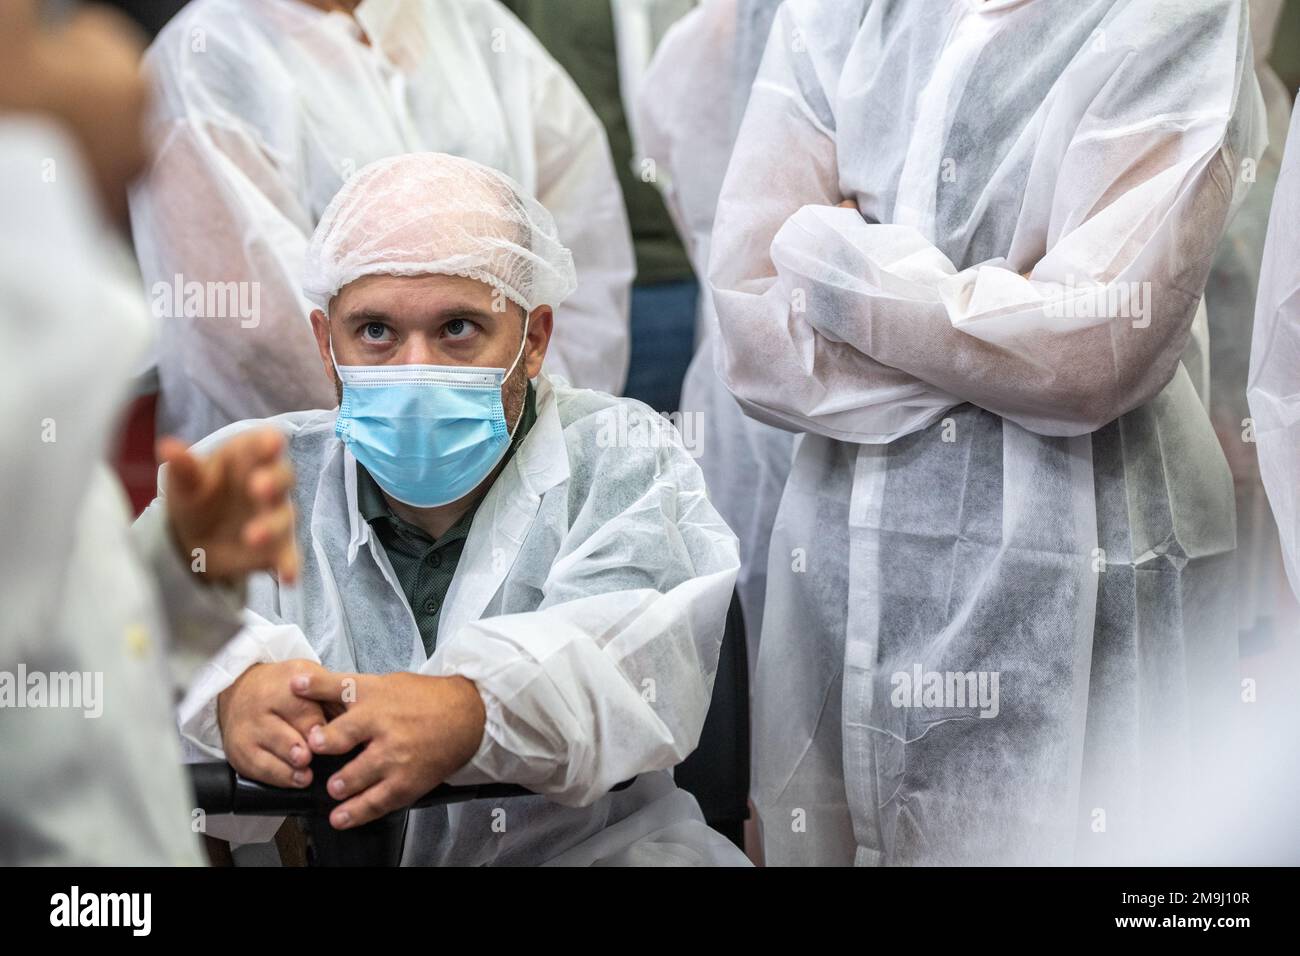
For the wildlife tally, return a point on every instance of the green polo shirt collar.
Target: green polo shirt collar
(425, 567)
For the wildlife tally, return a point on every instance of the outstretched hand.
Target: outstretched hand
(230, 511)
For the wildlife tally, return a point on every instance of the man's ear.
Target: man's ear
(541, 321)
(320, 327)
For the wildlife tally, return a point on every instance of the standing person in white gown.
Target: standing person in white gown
(1274, 388)
(689, 109)
(1263, 598)
(998, 622)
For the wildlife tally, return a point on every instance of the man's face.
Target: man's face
(432, 320)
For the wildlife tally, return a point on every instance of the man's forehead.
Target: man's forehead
(415, 297)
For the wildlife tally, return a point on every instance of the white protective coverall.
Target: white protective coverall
(997, 625)
(689, 108)
(1230, 293)
(265, 107)
(96, 780)
(595, 568)
(1274, 388)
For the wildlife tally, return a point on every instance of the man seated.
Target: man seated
(503, 578)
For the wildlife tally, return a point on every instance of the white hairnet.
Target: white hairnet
(435, 214)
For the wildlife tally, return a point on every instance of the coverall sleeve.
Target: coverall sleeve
(201, 616)
(258, 642)
(865, 331)
(613, 673)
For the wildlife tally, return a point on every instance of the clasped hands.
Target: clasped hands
(417, 730)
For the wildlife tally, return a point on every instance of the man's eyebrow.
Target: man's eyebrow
(363, 315)
(462, 312)
(357, 316)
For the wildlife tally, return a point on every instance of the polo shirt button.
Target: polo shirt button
(430, 607)
(435, 559)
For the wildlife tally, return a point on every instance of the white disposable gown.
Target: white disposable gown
(996, 625)
(1274, 388)
(689, 109)
(1262, 592)
(587, 607)
(90, 765)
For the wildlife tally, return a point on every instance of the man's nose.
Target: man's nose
(420, 350)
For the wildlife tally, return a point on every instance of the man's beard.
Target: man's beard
(514, 391)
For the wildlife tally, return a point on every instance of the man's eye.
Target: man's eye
(459, 328)
(374, 331)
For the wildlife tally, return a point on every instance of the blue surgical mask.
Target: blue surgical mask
(428, 434)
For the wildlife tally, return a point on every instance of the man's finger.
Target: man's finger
(286, 565)
(302, 715)
(184, 471)
(270, 769)
(365, 807)
(269, 528)
(362, 772)
(270, 484)
(247, 452)
(341, 734)
(271, 443)
(332, 687)
(282, 738)
(262, 447)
